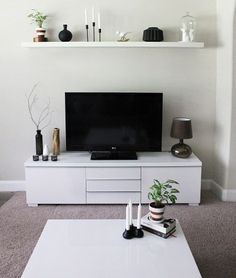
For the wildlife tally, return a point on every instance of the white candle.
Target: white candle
(99, 21)
(127, 218)
(45, 150)
(93, 15)
(130, 213)
(139, 217)
(85, 17)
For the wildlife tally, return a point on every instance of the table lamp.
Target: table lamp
(182, 129)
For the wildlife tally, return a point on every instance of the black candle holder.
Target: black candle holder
(53, 157)
(87, 33)
(133, 232)
(128, 234)
(36, 157)
(45, 157)
(94, 31)
(138, 233)
(100, 34)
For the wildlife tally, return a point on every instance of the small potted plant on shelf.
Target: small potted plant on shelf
(161, 194)
(38, 18)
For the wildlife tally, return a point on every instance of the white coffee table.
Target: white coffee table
(96, 249)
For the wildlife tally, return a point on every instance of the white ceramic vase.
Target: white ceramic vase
(156, 213)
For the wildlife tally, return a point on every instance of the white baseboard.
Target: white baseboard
(227, 195)
(12, 186)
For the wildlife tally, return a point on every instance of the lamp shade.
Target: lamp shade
(181, 128)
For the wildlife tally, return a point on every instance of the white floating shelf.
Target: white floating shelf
(113, 44)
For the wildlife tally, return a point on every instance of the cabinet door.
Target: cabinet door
(55, 185)
(189, 179)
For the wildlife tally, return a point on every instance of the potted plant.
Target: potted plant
(38, 18)
(161, 194)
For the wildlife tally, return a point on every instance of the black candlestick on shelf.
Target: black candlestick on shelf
(87, 34)
(94, 31)
(100, 34)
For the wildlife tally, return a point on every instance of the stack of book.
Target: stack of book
(164, 229)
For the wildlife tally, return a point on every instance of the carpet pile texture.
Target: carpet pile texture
(209, 228)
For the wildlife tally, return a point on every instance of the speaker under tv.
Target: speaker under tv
(113, 125)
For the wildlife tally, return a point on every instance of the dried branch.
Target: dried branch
(49, 121)
(30, 103)
(43, 115)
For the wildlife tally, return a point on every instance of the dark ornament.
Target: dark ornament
(181, 150)
(39, 142)
(45, 157)
(65, 35)
(153, 34)
(35, 157)
(53, 157)
(133, 232)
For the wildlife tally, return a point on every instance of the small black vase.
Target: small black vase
(65, 35)
(39, 142)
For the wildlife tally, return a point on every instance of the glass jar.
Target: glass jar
(187, 28)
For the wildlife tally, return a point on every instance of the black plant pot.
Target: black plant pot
(65, 35)
(39, 142)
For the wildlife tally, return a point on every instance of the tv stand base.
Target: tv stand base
(113, 155)
(76, 179)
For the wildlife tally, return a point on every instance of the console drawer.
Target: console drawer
(113, 185)
(113, 173)
(113, 197)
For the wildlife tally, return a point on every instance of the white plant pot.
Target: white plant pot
(156, 213)
(40, 34)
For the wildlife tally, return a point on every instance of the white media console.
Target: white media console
(75, 179)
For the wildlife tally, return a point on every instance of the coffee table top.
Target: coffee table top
(96, 248)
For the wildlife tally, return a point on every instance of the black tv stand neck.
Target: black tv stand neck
(113, 155)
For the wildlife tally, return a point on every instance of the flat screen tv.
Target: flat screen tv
(113, 125)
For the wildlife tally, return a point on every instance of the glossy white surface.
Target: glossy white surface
(80, 159)
(113, 185)
(96, 249)
(133, 44)
(75, 179)
(115, 197)
(55, 186)
(189, 179)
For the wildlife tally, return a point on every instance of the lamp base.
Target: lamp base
(181, 150)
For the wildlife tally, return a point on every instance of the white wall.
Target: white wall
(232, 164)
(225, 148)
(186, 76)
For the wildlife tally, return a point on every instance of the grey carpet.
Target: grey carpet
(210, 230)
(5, 196)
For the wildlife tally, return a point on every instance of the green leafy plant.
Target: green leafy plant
(37, 17)
(163, 192)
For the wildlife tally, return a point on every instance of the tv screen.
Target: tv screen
(113, 121)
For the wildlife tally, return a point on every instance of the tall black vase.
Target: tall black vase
(39, 142)
(65, 35)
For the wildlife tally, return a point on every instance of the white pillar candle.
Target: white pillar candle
(127, 226)
(139, 217)
(85, 17)
(93, 15)
(130, 213)
(99, 21)
(45, 150)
